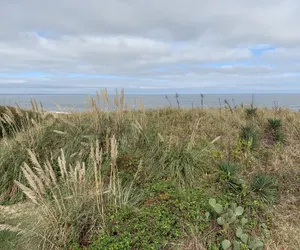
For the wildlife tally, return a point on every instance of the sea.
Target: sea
(80, 102)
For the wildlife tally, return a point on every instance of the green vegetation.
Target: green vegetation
(169, 178)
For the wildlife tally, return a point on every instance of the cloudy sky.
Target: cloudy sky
(157, 46)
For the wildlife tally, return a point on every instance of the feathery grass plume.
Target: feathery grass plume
(14, 229)
(116, 99)
(105, 98)
(113, 167)
(64, 196)
(122, 97)
(92, 103)
(98, 100)
(194, 131)
(142, 107)
(34, 105)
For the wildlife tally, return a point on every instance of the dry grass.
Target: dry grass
(79, 145)
(60, 195)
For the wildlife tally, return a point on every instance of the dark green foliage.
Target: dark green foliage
(275, 130)
(228, 168)
(229, 177)
(250, 135)
(275, 124)
(251, 112)
(265, 188)
(8, 240)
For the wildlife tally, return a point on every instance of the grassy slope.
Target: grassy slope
(178, 152)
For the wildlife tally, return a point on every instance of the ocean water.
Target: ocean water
(81, 103)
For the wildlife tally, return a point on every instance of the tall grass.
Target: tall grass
(73, 201)
(79, 170)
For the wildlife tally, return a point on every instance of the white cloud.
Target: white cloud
(135, 38)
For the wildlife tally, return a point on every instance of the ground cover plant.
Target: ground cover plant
(172, 178)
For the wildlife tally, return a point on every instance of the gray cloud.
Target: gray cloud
(148, 39)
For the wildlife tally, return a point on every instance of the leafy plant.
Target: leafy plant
(265, 188)
(250, 135)
(228, 175)
(228, 168)
(251, 112)
(228, 218)
(275, 130)
(163, 217)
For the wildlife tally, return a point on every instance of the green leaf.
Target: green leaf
(218, 208)
(221, 221)
(244, 238)
(225, 244)
(239, 211)
(256, 244)
(236, 245)
(239, 232)
(230, 212)
(212, 202)
(232, 219)
(207, 214)
(244, 221)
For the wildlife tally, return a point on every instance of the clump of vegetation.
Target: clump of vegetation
(250, 136)
(265, 187)
(251, 112)
(115, 178)
(275, 130)
(233, 226)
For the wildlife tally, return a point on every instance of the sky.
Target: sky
(157, 46)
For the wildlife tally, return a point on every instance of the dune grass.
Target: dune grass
(145, 179)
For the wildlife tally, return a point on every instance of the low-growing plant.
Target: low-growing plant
(166, 215)
(265, 188)
(251, 112)
(250, 136)
(228, 168)
(230, 178)
(275, 130)
(233, 227)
